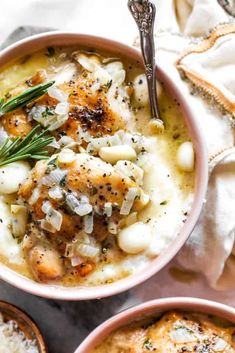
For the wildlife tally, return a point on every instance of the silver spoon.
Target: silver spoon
(143, 12)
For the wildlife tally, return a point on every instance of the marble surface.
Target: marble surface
(65, 324)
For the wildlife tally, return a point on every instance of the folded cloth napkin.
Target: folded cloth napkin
(211, 248)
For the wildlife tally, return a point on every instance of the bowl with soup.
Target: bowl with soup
(166, 325)
(93, 199)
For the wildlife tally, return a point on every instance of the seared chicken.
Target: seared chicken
(67, 194)
(174, 332)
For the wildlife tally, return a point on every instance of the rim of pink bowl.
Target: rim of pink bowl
(40, 41)
(154, 307)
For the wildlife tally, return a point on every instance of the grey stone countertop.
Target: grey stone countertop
(65, 324)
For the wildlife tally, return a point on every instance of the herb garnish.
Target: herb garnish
(32, 146)
(147, 345)
(50, 52)
(24, 98)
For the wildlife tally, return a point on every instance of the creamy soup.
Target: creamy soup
(107, 193)
(174, 332)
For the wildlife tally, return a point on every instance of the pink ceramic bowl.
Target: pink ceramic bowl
(155, 307)
(37, 42)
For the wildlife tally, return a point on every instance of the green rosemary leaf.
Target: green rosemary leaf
(32, 146)
(24, 98)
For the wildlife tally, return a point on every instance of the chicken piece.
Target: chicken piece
(16, 123)
(93, 177)
(176, 331)
(39, 77)
(45, 263)
(86, 175)
(127, 340)
(89, 110)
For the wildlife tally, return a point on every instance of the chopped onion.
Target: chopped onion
(145, 161)
(65, 141)
(84, 238)
(66, 156)
(108, 209)
(87, 250)
(56, 93)
(83, 209)
(88, 223)
(62, 108)
(112, 228)
(182, 335)
(54, 144)
(46, 207)
(55, 218)
(84, 199)
(219, 345)
(82, 135)
(36, 113)
(89, 62)
(136, 141)
(60, 120)
(128, 201)
(47, 226)
(56, 193)
(54, 178)
(97, 143)
(130, 169)
(69, 250)
(72, 202)
(76, 260)
(34, 197)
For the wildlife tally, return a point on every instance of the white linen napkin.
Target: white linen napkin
(210, 248)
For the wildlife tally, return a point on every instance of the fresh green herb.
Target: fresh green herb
(50, 52)
(148, 345)
(24, 98)
(63, 181)
(163, 203)
(182, 327)
(53, 162)
(32, 146)
(50, 111)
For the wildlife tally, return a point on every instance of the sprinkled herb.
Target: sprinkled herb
(53, 162)
(49, 111)
(63, 181)
(163, 203)
(147, 345)
(50, 52)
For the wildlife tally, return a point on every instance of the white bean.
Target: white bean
(135, 238)
(141, 89)
(12, 175)
(66, 156)
(116, 153)
(185, 157)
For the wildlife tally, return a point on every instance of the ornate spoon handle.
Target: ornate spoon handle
(143, 12)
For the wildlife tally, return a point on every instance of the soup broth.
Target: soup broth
(113, 193)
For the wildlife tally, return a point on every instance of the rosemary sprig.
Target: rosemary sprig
(24, 98)
(32, 146)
